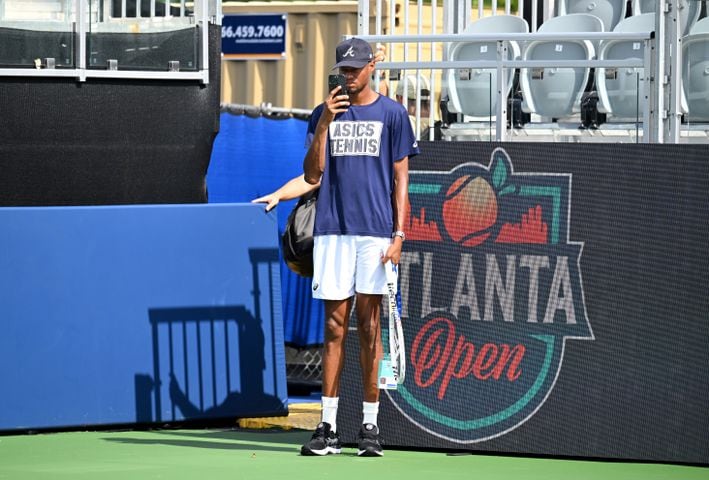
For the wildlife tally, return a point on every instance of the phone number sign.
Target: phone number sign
(254, 36)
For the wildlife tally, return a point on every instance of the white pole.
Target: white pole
(673, 70)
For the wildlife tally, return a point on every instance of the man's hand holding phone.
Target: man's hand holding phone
(338, 101)
(337, 81)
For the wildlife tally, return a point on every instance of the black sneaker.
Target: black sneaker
(322, 442)
(368, 442)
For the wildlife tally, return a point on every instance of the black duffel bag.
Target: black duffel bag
(297, 239)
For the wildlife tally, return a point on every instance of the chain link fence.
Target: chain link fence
(304, 366)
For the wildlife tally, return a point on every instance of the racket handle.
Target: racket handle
(392, 273)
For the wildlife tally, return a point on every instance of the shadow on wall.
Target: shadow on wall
(211, 361)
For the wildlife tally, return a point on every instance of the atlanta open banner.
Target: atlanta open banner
(554, 300)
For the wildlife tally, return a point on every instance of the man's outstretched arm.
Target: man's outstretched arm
(294, 188)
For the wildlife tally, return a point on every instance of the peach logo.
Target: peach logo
(491, 290)
(470, 210)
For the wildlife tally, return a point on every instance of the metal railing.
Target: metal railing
(661, 63)
(138, 39)
(502, 64)
(152, 8)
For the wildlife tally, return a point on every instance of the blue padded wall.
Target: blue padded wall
(252, 157)
(124, 314)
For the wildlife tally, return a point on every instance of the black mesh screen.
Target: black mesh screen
(555, 303)
(107, 141)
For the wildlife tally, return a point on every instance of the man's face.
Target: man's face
(357, 78)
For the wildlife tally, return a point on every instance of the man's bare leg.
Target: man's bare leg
(325, 439)
(337, 314)
(370, 343)
(371, 352)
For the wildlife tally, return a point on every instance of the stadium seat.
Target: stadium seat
(689, 11)
(556, 92)
(477, 96)
(695, 74)
(702, 26)
(611, 12)
(618, 94)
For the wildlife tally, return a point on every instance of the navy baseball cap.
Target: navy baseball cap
(354, 53)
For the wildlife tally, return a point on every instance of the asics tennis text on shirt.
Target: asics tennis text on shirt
(355, 138)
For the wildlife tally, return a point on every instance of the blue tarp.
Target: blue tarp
(252, 157)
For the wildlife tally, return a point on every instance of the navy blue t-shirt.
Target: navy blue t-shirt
(356, 188)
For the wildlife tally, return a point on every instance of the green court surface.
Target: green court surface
(273, 454)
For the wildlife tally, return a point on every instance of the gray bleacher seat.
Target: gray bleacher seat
(554, 91)
(477, 96)
(695, 72)
(689, 11)
(611, 12)
(702, 26)
(618, 97)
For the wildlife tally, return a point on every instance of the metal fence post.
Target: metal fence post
(673, 71)
(501, 120)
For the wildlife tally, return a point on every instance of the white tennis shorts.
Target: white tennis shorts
(345, 264)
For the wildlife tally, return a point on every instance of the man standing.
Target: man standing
(359, 146)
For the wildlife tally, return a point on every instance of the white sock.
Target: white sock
(329, 411)
(370, 411)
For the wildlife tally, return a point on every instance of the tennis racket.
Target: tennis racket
(397, 351)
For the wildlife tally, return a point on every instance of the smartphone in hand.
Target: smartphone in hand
(335, 80)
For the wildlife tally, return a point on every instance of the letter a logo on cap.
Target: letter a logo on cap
(353, 53)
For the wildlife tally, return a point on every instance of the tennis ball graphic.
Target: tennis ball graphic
(470, 210)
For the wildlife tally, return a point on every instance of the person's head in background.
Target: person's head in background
(409, 99)
(380, 56)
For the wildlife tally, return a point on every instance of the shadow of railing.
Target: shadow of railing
(214, 359)
(210, 362)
